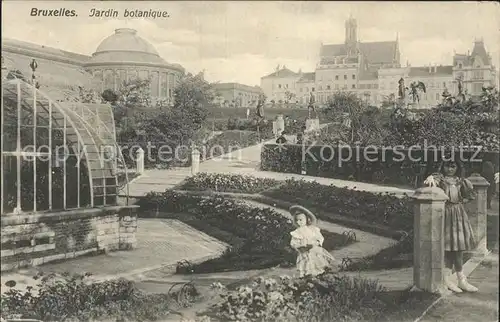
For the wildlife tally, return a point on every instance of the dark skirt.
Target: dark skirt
(458, 234)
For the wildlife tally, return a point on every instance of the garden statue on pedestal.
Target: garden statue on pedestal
(447, 98)
(312, 123)
(461, 95)
(310, 107)
(415, 87)
(401, 89)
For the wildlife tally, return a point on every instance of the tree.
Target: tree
(288, 97)
(347, 103)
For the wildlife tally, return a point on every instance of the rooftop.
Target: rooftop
(375, 52)
(307, 77)
(432, 71)
(229, 86)
(282, 73)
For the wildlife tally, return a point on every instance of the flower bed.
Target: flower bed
(324, 298)
(259, 238)
(382, 209)
(73, 298)
(227, 183)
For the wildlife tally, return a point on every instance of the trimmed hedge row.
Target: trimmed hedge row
(400, 167)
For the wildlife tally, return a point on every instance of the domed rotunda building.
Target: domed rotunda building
(124, 56)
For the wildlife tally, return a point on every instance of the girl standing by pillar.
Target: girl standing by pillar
(458, 236)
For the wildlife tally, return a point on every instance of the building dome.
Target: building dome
(126, 39)
(125, 46)
(124, 56)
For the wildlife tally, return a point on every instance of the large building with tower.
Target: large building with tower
(372, 70)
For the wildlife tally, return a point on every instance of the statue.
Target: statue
(310, 107)
(260, 107)
(447, 98)
(461, 95)
(414, 88)
(401, 89)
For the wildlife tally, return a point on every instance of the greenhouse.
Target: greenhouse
(53, 153)
(60, 167)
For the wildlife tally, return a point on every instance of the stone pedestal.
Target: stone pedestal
(478, 212)
(140, 161)
(278, 125)
(195, 161)
(312, 124)
(428, 242)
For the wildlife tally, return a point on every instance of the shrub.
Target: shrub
(395, 166)
(72, 297)
(227, 183)
(323, 298)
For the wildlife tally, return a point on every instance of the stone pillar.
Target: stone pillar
(280, 124)
(140, 161)
(428, 239)
(195, 161)
(478, 212)
(128, 230)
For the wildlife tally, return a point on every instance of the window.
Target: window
(312, 89)
(437, 96)
(353, 86)
(279, 85)
(336, 77)
(459, 65)
(328, 87)
(345, 76)
(353, 76)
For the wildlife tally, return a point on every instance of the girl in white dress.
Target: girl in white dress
(308, 241)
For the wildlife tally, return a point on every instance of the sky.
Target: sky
(245, 40)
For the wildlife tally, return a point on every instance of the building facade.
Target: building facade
(372, 71)
(120, 57)
(236, 95)
(282, 82)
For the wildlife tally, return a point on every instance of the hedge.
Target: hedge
(398, 166)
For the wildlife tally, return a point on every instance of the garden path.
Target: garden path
(245, 162)
(154, 251)
(471, 307)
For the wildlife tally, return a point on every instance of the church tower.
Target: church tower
(351, 36)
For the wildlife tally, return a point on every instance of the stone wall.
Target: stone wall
(39, 238)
